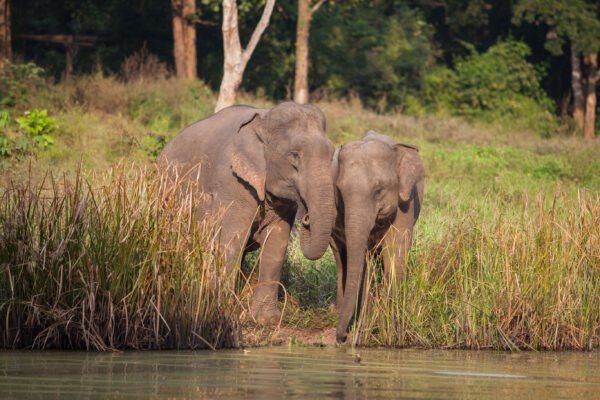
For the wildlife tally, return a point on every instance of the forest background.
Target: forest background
(532, 63)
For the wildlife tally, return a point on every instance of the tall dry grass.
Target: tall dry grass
(527, 280)
(115, 262)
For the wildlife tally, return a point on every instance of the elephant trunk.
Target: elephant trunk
(317, 222)
(357, 229)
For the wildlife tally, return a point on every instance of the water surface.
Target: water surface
(301, 373)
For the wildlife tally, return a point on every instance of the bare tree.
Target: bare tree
(184, 38)
(236, 57)
(306, 9)
(5, 40)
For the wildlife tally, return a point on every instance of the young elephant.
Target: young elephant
(379, 195)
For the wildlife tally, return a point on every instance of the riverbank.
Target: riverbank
(506, 253)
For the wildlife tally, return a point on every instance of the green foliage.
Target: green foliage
(5, 145)
(568, 20)
(38, 126)
(34, 131)
(153, 145)
(380, 50)
(484, 80)
(497, 85)
(18, 83)
(380, 57)
(440, 87)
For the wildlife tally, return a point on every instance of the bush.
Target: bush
(378, 56)
(498, 85)
(5, 145)
(38, 126)
(18, 83)
(35, 129)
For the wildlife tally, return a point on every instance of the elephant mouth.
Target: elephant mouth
(384, 218)
(303, 212)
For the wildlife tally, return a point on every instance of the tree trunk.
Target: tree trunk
(302, 34)
(5, 40)
(184, 38)
(576, 85)
(189, 29)
(236, 58)
(591, 61)
(70, 53)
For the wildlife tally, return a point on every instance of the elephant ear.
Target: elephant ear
(335, 171)
(248, 155)
(335, 165)
(410, 169)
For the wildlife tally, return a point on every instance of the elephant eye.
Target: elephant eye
(379, 191)
(294, 158)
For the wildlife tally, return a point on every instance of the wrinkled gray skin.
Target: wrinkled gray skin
(379, 194)
(261, 166)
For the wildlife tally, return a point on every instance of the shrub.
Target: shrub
(5, 145)
(379, 55)
(38, 126)
(18, 83)
(440, 86)
(498, 85)
(153, 145)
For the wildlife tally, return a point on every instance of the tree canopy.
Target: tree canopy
(387, 52)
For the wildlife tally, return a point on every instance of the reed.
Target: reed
(526, 279)
(111, 262)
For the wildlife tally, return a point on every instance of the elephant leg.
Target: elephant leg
(339, 255)
(236, 225)
(274, 245)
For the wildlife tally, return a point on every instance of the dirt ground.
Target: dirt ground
(288, 335)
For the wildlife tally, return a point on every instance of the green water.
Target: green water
(301, 373)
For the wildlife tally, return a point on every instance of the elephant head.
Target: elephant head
(284, 153)
(375, 179)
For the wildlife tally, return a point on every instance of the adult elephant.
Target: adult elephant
(261, 166)
(379, 194)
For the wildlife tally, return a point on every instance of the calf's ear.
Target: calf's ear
(410, 170)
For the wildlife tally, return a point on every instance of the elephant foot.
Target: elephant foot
(265, 312)
(341, 336)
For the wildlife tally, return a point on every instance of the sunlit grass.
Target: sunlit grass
(114, 262)
(527, 279)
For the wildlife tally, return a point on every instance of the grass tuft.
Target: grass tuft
(115, 262)
(526, 280)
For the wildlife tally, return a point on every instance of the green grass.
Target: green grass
(505, 256)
